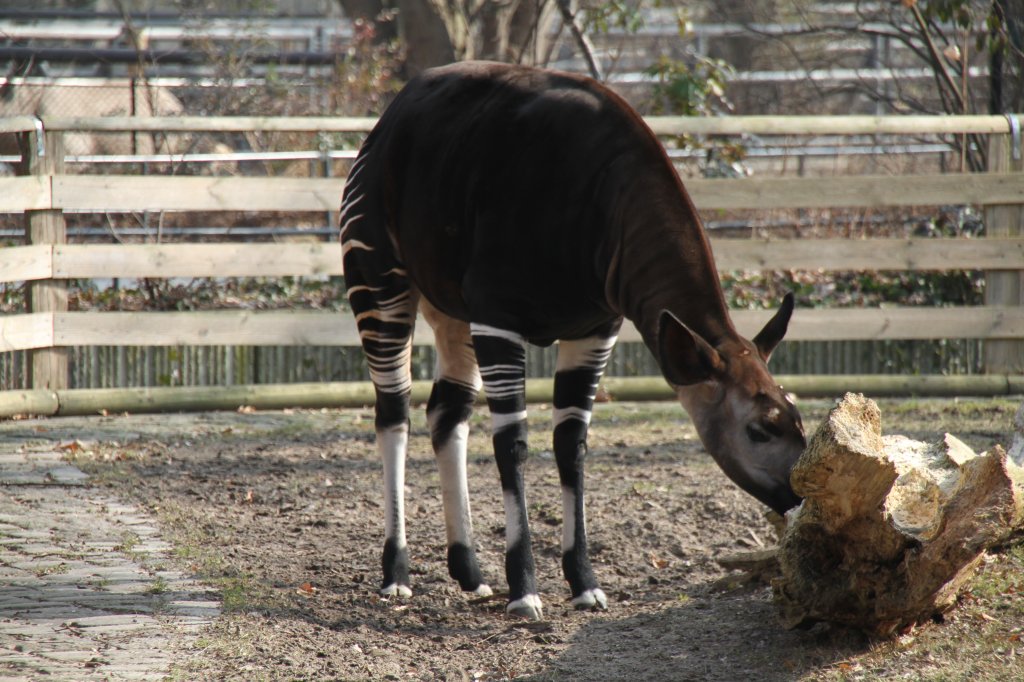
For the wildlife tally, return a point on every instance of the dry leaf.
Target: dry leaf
(656, 562)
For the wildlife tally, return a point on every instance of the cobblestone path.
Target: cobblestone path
(85, 589)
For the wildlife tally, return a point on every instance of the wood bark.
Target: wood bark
(49, 366)
(890, 528)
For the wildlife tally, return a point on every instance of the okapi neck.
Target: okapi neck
(670, 267)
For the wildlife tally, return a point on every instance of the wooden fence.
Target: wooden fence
(45, 192)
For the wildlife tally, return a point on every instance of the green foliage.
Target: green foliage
(695, 87)
(614, 14)
(949, 11)
(756, 290)
(984, 19)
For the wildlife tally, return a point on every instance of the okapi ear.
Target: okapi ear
(685, 357)
(769, 337)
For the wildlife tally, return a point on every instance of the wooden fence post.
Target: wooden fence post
(1004, 287)
(48, 367)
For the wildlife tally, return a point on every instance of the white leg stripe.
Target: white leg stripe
(500, 421)
(561, 414)
(393, 380)
(392, 444)
(592, 352)
(354, 244)
(568, 519)
(451, 463)
(487, 330)
(351, 200)
(513, 531)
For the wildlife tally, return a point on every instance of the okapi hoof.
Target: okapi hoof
(591, 600)
(396, 590)
(481, 590)
(529, 607)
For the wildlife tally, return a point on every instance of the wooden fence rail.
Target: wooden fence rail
(661, 125)
(311, 328)
(70, 261)
(126, 193)
(48, 192)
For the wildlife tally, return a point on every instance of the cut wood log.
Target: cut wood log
(890, 529)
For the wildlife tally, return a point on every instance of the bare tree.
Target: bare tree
(435, 32)
(957, 41)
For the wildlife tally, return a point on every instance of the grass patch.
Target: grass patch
(159, 586)
(129, 541)
(52, 569)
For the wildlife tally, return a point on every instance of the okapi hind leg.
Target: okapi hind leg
(384, 304)
(456, 384)
(578, 371)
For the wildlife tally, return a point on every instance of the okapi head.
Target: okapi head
(743, 417)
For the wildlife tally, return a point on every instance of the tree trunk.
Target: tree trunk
(890, 529)
(426, 39)
(528, 34)
(433, 32)
(419, 26)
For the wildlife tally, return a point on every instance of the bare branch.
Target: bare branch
(582, 42)
(942, 76)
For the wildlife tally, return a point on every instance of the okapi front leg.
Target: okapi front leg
(502, 359)
(579, 369)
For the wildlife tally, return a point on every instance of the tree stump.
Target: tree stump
(890, 528)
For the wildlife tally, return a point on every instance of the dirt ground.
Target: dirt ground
(282, 511)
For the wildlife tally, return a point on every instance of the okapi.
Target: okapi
(515, 205)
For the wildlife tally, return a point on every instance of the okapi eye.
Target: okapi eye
(757, 434)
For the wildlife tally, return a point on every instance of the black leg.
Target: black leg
(502, 359)
(580, 365)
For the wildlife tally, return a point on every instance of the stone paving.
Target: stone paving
(86, 592)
